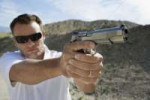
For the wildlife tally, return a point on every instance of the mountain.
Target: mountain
(126, 71)
(68, 26)
(4, 29)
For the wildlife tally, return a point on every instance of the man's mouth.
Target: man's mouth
(31, 50)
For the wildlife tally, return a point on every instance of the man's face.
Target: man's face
(30, 49)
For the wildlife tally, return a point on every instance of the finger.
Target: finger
(79, 81)
(81, 45)
(85, 79)
(87, 72)
(89, 58)
(80, 72)
(85, 66)
(94, 73)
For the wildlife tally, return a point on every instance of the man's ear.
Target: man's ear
(44, 34)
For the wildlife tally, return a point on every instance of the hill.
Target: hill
(71, 25)
(126, 72)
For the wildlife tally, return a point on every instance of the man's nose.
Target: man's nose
(30, 43)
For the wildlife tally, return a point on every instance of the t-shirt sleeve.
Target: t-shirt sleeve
(58, 54)
(6, 62)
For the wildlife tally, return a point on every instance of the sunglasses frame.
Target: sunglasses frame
(24, 39)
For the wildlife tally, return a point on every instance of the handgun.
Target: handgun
(118, 34)
(103, 36)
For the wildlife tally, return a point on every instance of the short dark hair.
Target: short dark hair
(25, 19)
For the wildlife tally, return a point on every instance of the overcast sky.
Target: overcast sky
(49, 11)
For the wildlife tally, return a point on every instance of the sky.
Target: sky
(137, 11)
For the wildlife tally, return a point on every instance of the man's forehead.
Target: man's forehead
(27, 28)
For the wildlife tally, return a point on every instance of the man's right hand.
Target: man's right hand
(82, 67)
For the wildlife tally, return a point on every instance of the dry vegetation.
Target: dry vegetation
(2, 34)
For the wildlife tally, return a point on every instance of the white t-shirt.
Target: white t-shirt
(52, 89)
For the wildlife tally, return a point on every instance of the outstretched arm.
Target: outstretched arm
(32, 71)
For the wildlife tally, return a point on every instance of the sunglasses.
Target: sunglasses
(24, 39)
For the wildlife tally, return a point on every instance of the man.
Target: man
(36, 73)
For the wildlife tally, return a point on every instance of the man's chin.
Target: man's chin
(35, 56)
(32, 56)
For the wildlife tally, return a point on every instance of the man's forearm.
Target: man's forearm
(35, 71)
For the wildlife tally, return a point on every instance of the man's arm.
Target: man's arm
(32, 71)
(83, 68)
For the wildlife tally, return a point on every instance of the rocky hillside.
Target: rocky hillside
(126, 72)
(71, 25)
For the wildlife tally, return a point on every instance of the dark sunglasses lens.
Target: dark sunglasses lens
(36, 36)
(24, 39)
(21, 39)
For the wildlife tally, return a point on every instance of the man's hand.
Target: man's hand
(85, 69)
